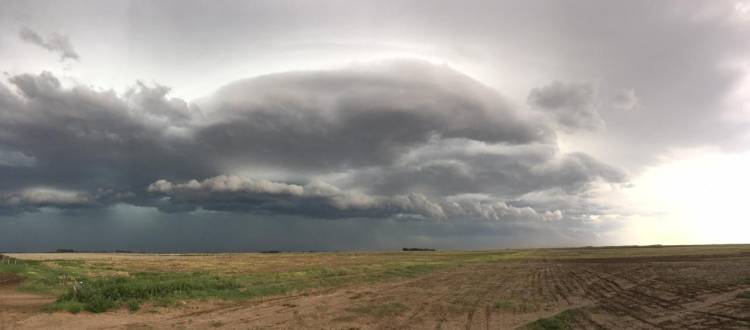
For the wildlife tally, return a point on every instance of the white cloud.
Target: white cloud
(47, 197)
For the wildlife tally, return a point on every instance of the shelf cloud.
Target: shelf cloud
(397, 138)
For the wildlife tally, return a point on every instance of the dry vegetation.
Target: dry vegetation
(671, 287)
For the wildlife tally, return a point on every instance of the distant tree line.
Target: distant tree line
(87, 251)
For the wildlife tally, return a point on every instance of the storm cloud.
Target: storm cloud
(398, 138)
(368, 115)
(323, 200)
(365, 124)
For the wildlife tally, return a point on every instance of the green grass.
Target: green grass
(105, 293)
(81, 286)
(101, 294)
(561, 321)
(40, 278)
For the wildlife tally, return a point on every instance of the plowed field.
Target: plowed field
(607, 288)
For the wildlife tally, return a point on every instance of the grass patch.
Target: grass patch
(101, 294)
(85, 286)
(379, 311)
(133, 305)
(98, 286)
(38, 277)
(561, 321)
(74, 307)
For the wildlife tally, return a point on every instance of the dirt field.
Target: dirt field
(698, 287)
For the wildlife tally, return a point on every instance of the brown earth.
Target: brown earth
(16, 306)
(675, 292)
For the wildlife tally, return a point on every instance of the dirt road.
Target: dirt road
(15, 305)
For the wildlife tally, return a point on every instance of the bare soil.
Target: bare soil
(675, 292)
(15, 305)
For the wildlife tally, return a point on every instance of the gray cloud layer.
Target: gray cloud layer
(661, 75)
(573, 106)
(681, 58)
(382, 140)
(459, 166)
(360, 116)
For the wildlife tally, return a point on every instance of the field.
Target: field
(657, 287)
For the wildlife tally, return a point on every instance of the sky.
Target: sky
(177, 126)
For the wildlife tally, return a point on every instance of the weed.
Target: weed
(134, 305)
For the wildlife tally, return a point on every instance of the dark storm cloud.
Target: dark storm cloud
(84, 139)
(322, 200)
(55, 43)
(144, 229)
(154, 102)
(14, 158)
(453, 166)
(401, 139)
(663, 76)
(360, 116)
(680, 57)
(316, 199)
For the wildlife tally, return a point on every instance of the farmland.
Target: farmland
(657, 287)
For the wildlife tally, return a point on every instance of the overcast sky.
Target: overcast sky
(330, 125)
